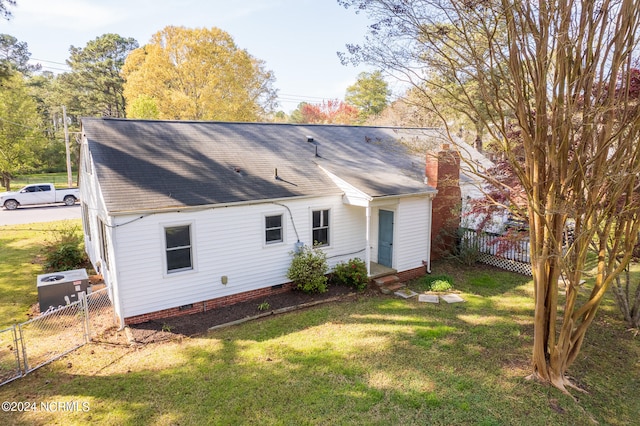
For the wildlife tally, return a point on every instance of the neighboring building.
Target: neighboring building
(181, 217)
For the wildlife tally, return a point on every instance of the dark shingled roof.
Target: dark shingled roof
(146, 165)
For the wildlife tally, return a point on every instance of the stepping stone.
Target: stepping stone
(428, 298)
(452, 298)
(406, 294)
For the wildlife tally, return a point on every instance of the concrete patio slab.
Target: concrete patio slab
(452, 298)
(406, 293)
(428, 298)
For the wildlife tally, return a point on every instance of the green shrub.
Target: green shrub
(65, 251)
(440, 285)
(352, 273)
(435, 283)
(308, 269)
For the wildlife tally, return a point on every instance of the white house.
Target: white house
(181, 217)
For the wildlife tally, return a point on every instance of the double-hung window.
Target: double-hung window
(84, 209)
(178, 248)
(273, 229)
(104, 243)
(320, 227)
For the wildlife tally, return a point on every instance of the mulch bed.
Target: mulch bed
(195, 324)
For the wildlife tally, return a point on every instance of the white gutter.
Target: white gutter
(367, 250)
(212, 206)
(429, 222)
(115, 289)
(429, 193)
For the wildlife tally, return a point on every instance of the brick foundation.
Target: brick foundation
(220, 302)
(412, 274)
(207, 305)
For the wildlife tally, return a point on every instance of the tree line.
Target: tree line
(181, 74)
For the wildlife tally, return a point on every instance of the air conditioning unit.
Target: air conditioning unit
(61, 288)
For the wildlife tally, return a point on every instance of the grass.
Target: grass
(59, 179)
(374, 360)
(20, 263)
(426, 283)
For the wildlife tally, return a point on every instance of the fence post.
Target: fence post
(116, 318)
(85, 308)
(15, 345)
(24, 349)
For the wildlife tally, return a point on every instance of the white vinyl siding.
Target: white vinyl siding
(412, 232)
(226, 242)
(230, 242)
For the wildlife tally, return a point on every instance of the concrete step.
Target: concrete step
(386, 280)
(389, 284)
(395, 286)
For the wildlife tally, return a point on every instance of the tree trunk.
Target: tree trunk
(6, 181)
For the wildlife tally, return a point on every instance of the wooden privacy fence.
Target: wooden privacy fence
(509, 252)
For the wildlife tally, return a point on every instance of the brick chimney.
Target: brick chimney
(443, 173)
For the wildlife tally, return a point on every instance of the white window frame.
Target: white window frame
(165, 263)
(86, 160)
(328, 226)
(86, 220)
(104, 243)
(283, 227)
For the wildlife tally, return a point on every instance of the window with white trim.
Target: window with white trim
(273, 229)
(320, 227)
(85, 220)
(178, 248)
(104, 243)
(86, 161)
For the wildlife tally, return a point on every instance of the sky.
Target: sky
(297, 39)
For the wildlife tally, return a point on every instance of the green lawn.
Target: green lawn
(376, 360)
(20, 263)
(59, 179)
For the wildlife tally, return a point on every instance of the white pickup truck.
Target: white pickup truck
(39, 193)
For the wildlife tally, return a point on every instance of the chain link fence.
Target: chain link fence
(101, 315)
(9, 355)
(54, 333)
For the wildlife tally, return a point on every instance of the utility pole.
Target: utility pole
(66, 144)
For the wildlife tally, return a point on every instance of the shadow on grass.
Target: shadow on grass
(375, 360)
(18, 271)
(326, 372)
(284, 382)
(480, 279)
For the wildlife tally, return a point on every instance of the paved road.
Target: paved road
(36, 214)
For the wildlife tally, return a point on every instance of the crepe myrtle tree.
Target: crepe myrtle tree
(557, 83)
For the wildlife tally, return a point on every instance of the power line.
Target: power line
(51, 62)
(19, 125)
(45, 67)
(290, 96)
(49, 67)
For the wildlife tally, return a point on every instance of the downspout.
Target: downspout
(367, 252)
(429, 221)
(116, 294)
